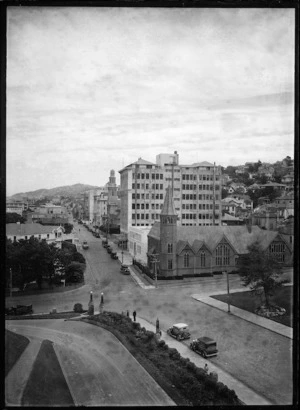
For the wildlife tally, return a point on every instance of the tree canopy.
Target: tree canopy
(35, 260)
(261, 271)
(13, 217)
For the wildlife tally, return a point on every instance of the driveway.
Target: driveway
(97, 367)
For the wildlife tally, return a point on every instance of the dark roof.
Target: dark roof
(28, 229)
(238, 236)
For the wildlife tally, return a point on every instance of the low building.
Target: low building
(51, 234)
(138, 242)
(184, 251)
(17, 231)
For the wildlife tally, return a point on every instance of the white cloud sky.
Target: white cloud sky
(93, 89)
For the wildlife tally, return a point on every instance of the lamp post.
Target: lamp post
(101, 303)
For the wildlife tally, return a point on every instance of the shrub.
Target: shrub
(78, 308)
(136, 326)
(161, 343)
(173, 353)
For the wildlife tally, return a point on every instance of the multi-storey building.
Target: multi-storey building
(103, 203)
(196, 190)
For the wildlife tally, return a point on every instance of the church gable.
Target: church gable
(184, 247)
(225, 241)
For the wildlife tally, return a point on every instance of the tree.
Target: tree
(261, 271)
(13, 217)
(68, 228)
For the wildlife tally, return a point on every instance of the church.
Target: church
(186, 251)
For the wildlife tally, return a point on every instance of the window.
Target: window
(222, 255)
(186, 260)
(170, 248)
(277, 249)
(202, 259)
(170, 264)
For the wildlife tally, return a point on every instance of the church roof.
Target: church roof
(238, 236)
(168, 206)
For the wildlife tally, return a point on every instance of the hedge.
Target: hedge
(166, 366)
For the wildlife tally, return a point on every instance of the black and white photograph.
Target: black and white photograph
(149, 222)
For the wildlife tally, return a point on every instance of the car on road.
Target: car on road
(97, 235)
(109, 250)
(114, 255)
(205, 346)
(85, 245)
(179, 331)
(125, 270)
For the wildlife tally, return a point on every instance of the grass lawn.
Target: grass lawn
(248, 301)
(46, 385)
(14, 347)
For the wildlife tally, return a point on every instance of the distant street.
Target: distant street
(254, 355)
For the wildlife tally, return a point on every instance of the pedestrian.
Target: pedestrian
(127, 313)
(134, 315)
(206, 368)
(157, 325)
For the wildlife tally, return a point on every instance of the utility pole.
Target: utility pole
(10, 282)
(155, 260)
(228, 293)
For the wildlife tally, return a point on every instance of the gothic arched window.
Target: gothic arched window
(186, 260)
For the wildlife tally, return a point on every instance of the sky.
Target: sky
(94, 89)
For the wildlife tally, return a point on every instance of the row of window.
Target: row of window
(147, 186)
(201, 206)
(147, 196)
(145, 216)
(201, 197)
(146, 206)
(201, 216)
(147, 176)
(201, 187)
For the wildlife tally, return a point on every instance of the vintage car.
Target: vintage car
(85, 245)
(109, 250)
(205, 346)
(19, 310)
(114, 255)
(97, 234)
(125, 270)
(179, 331)
(105, 244)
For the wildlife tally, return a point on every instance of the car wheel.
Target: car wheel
(204, 355)
(178, 337)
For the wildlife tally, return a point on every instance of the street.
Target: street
(256, 356)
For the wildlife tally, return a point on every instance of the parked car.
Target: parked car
(85, 245)
(179, 331)
(19, 310)
(114, 255)
(97, 235)
(205, 346)
(125, 270)
(109, 250)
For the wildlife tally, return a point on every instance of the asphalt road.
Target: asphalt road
(253, 355)
(98, 369)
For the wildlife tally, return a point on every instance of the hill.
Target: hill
(67, 190)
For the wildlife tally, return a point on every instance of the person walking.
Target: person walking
(157, 325)
(134, 315)
(127, 313)
(206, 368)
